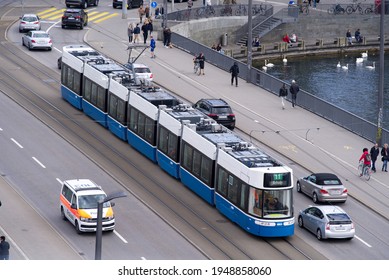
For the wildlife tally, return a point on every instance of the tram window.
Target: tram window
(243, 196)
(133, 119)
(255, 202)
(233, 189)
(141, 125)
(222, 182)
(64, 72)
(187, 157)
(77, 82)
(172, 146)
(121, 111)
(206, 170)
(101, 98)
(163, 140)
(69, 80)
(196, 163)
(150, 128)
(87, 89)
(113, 106)
(93, 98)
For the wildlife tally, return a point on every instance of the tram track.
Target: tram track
(122, 163)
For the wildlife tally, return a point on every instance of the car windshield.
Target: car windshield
(40, 35)
(221, 110)
(330, 182)
(29, 19)
(90, 201)
(142, 70)
(339, 218)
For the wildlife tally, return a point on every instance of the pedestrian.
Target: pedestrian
(349, 38)
(157, 13)
(152, 46)
(209, 3)
(358, 36)
(167, 35)
(136, 33)
(283, 94)
(130, 32)
(374, 152)
(4, 248)
(234, 70)
(201, 60)
(141, 12)
(147, 11)
(294, 89)
(145, 30)
(190, 4)
(385, 157)
(151, 27)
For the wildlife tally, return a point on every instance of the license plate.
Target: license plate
(222, 117)
(336, 192)
(71, 17)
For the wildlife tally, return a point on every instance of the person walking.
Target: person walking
(152, 46)
(374, 152)
(385, 157)
(201, 60)
(190, 4)
(130, 32)
(349, 37)
(234, 70)
(141, 12)
(147, 11)
(4, 248)
(283, 94)
(145, 30)
(294, 89)
(136, 33)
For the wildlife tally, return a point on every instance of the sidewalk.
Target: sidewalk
(304, 138)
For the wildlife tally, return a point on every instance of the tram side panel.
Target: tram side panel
(117, 109)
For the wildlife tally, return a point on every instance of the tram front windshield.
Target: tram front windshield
(270, 204)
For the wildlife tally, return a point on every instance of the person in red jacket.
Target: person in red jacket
(366, 158)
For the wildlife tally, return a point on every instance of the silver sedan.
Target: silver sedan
(322, 187)
(37, 40)
(327, 221)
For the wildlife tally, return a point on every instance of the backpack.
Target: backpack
(368, 157)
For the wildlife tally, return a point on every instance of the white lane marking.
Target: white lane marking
(364, 242)
(16, 142)
(1, 129)
(37, 161)
(121, 237)
(143, 258)
(59, 180)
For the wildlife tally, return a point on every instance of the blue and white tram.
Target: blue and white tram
(142, 117)
(96, 80)
(72, 70)
(169, 134)
(254, 190)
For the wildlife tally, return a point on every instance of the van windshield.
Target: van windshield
(90, 201)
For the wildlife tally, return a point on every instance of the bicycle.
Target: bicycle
(226, 11)
(353, 8)
(364, 170)
(336, 9)
(241, 10)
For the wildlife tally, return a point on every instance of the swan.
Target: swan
(364, 54)
(371, 66)
(268, 64)
(345, 67)
(359, 59)
(264, 68)
(338, 65)
(284, 60)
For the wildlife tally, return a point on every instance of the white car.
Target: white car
(37, 40)
(142, 73)
(29, 22)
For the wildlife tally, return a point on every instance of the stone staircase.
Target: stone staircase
(262, 29)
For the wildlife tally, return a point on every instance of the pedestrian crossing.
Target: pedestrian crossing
(54, 14)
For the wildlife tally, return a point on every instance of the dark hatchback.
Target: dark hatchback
(217, 109)
(74, 18)
(130, 3)
(81, 3)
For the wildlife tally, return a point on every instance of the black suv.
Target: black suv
(81, 3)
(74, 18)
(217, 109)
(130, 3)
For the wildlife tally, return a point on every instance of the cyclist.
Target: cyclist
(366, 159)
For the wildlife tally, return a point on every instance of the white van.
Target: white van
(78, 203)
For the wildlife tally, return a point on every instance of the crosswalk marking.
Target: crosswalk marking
(93, 16)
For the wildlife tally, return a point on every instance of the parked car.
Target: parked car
(219, 110)
(130, 3)
(323, 187)
(37, 40)
(74, 18)
(327, 221)
(29, 22)
(141, 72)
(81, 3)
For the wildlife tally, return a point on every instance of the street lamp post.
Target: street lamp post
(249, 40)
(99, 228)
(381, 79)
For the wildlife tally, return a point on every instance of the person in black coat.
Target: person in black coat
(234, 70)
(374, 152)
(201, 60)
(283, 93)
(294, 89)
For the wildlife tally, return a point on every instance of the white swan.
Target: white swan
(359, 59)
(264, 68)
(338, 65)
(345, 67)
(268, 64)
(371, 66)
(284, 60)
(364, 54)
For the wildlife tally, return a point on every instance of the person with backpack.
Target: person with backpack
(283, 94)
(366, 157)
(234, 70)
